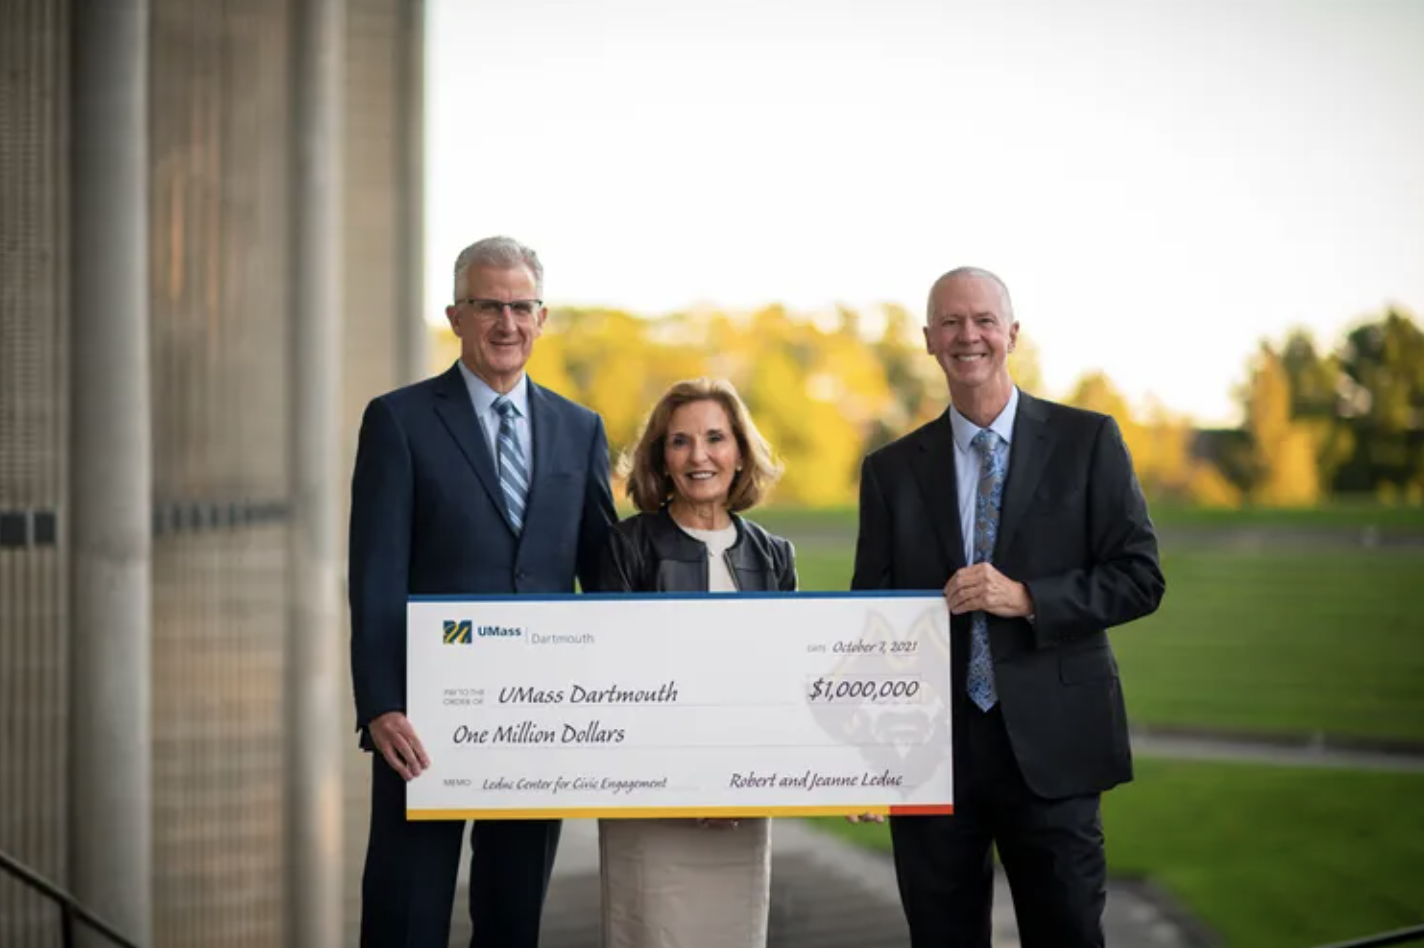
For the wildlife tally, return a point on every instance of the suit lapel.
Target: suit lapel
(546, 422)
(939, 486)
(1028, 457)
(452, 404)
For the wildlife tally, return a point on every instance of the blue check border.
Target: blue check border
(624, 597)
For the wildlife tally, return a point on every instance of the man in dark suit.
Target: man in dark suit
(1027, 514)
(475, 481)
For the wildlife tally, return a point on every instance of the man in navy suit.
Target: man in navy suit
(475, 481)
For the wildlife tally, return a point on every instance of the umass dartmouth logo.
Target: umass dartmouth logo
(463, 632)
(458, 632)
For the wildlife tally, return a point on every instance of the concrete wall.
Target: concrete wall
(221, 278)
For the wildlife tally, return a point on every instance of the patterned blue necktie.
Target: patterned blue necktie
(993, 458)
(513, 477)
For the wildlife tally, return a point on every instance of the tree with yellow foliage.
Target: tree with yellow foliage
(1283, 450)
(827, 389)
(1161, 447)
(814, 393)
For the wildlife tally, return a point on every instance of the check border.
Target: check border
(679, 812)
(610, 597)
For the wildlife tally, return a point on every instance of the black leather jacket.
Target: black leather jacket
(650, 553)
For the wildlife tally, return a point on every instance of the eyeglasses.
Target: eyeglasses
(493, 309)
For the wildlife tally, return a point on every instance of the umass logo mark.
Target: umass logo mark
(459, 632)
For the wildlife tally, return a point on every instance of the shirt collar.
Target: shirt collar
(483, 396)
(1003, 426)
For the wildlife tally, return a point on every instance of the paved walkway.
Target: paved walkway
(1307, 751)
(829, 894)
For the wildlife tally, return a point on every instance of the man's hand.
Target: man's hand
(982, 588)
(396, 740)
(864, 818)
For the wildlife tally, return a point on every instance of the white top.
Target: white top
(968, 463)
(719, 578)
(482, 398)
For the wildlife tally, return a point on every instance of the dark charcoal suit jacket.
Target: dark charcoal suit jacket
(1074, 528)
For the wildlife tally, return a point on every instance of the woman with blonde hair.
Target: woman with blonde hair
(698, 464)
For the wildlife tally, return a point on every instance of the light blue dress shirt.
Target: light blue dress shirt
(968, 463)
(482, 398)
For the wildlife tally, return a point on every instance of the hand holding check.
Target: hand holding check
(396, 739)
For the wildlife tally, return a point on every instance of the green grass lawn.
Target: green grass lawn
(1284, 640)
(1265, 856)
(1344, 516)
(1326, 641)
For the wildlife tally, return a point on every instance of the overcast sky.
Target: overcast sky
(1161, 183)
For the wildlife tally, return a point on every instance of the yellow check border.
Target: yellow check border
(654, 812)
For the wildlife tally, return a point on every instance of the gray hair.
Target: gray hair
(504, 253)
(977, 273)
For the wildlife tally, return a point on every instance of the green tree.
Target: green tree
(1384, 364)
(1316, 382)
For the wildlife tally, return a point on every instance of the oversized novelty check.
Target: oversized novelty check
(696, 705)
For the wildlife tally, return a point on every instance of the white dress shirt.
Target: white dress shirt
(482, 398)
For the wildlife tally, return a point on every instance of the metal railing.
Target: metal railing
(1399, 936)
(70, 910)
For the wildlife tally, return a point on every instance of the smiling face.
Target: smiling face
(701, 453)
(970, 330)
(496, 341)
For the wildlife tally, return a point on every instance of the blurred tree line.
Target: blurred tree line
(825, 390)
(1343, 421)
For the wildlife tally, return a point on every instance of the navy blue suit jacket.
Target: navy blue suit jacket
(427, 517)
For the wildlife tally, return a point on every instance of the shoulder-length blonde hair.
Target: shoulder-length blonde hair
(650, 486)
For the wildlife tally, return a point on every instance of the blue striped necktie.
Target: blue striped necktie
(513, 476)
(987, 500)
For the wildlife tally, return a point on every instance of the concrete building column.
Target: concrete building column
(110, 515)
(315, 690)
(414, 333)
